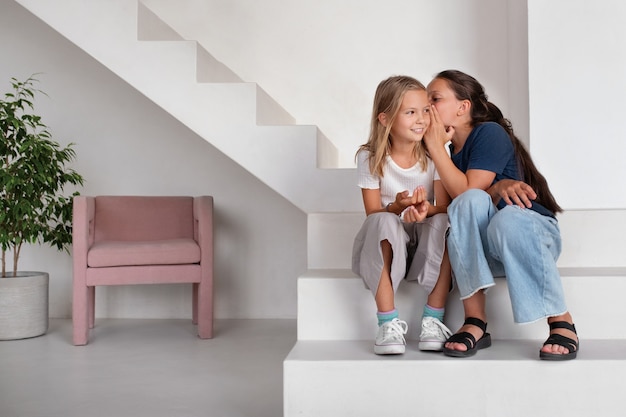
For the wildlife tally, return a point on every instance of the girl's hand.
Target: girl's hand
(417, 210)
(437, 135)
(416, 213)
(403, 199)
(513, 192)
(419, 195)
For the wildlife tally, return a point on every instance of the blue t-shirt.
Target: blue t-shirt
(488, 147)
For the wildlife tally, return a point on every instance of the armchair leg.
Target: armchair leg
(205, 311)
(91, 306)
(80, 317)
(194, 303)
(205, 328)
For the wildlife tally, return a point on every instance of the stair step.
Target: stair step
(591, 238)
(333, 304)
(332, 369)
(345, 378)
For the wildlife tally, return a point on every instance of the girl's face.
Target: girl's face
(413, 118)
(443, 98)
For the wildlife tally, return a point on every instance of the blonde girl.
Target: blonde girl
(403, 235)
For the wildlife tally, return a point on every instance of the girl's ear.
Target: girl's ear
(464, 108)
(382, 118)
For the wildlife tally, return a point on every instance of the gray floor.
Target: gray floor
(156, 368)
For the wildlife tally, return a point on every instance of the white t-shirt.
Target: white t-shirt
(396, 179)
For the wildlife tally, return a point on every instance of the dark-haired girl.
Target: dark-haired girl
(502, 217)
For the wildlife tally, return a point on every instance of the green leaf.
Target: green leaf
(33, 172)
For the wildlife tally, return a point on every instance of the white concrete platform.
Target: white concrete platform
(345, 378)
(333, 371)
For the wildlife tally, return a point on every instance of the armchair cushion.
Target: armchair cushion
(135, 218)
(157, 252)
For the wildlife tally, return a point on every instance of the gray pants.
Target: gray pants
(417, 249)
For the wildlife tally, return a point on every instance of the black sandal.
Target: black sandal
(558, 339)
(469, 340)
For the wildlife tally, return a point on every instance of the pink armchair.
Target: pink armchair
(124, 240)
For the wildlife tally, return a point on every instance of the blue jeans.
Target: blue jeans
(517, 243)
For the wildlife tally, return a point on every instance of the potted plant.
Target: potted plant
(33, 209)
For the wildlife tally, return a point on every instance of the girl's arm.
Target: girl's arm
(372, 200)
(454, 180)
(479, 178)
(442, 199)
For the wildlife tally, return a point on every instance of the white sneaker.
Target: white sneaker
(390, 338)
(434, 334)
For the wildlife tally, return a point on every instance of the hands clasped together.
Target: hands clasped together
(415, 205)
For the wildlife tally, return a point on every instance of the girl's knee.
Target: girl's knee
(383, 219)
(509, 224)
(383, 225)
(471, 200)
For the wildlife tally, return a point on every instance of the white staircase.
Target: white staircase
(186, 81)
(332, 370)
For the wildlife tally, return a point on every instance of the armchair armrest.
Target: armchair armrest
(203, 227)
(82, 229)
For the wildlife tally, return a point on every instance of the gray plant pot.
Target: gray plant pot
(23, 305)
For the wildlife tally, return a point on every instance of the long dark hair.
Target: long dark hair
(466, 87)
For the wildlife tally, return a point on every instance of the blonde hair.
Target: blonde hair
(388, 99)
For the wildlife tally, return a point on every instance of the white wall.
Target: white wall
(569, 56)
(322, 60)
(577, 68)
(127, 145)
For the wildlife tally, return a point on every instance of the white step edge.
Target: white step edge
(333, 304)
(345, 378)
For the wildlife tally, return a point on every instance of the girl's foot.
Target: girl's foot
(563, 341)
(465, 342)
(472, 329)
